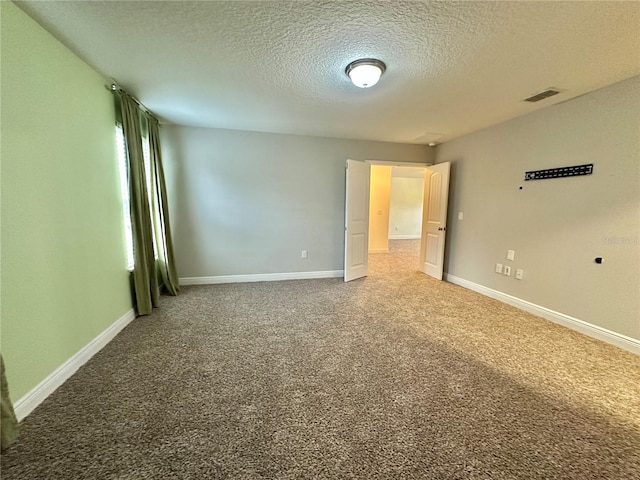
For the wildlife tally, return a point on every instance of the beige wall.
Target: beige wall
(558, 226)
(405, 216)
(248, 203)
(379, 203)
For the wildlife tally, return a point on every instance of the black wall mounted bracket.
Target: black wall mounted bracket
(574, 171)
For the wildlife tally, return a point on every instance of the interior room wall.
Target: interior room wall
(405, 216)
(249, 203)
(557, 227)
(379, 202)
(64, 277)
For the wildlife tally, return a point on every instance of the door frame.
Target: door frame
(382, 163)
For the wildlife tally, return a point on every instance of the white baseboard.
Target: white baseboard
(260, 277)
(627, 343)
(378, 250)
(25, 405)
(404, 237)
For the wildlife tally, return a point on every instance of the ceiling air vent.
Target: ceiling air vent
(549, 92)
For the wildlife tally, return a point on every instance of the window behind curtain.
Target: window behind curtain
(124, 186)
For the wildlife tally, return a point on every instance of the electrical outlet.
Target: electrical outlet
(519, 274)
(304, 254)
(507, 270)
(498, 268)
(511, 255)
(460, 215)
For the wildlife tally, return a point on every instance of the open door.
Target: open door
(356, 219)
(434, 219)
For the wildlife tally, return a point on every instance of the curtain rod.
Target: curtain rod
(113, 88)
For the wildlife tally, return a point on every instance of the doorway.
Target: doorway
(395, 216)
(360, 213)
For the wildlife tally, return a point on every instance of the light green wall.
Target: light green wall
(64, 278)
(557, 227)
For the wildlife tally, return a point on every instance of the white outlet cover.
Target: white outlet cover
(498, 268)
(460, 215)
(507, 270)
(519, 274)
(511, 255)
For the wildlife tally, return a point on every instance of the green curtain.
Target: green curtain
(154, 266)
(162, 226)
(9, 426)
(145, 281)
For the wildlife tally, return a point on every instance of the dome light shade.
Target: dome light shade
(366, 72)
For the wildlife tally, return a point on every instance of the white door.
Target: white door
(356, 219)
(434, 219)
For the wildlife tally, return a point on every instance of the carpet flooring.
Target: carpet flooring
(395, 376)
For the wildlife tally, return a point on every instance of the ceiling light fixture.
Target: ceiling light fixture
(366, 72)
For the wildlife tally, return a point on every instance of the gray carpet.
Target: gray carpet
(396, 376)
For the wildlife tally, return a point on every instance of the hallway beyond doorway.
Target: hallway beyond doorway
(403, 257)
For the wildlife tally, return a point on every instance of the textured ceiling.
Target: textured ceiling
(452, 67)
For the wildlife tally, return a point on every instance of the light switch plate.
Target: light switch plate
(511, 255)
